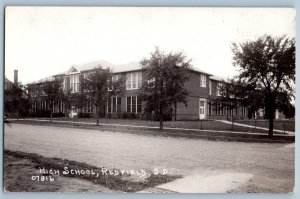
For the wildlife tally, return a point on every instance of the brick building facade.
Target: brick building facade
(201, 86)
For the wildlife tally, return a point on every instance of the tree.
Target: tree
(164, 88)
(100, 86)
(16, 100)
(228, 98)
(267, 65)
(53, 92)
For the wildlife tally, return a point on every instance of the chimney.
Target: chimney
(15, 76)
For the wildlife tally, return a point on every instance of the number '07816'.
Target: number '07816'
(42, 178)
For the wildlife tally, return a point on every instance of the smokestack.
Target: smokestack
(15, 76)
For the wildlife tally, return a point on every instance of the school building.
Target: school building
(202, 88)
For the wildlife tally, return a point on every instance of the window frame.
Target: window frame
(133, 78)
(210, 87)
(202, 80)
(134, 106)
(74, 83)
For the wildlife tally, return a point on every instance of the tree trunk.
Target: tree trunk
(271, 117)
(161, 118)
(18, 111)
(51, 109)
(175, 106)
(232, 123)
(97, 116)
(227, 118)
(271, 121)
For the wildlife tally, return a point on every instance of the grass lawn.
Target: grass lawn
(288, 125)
(205, 125)
(124, 182)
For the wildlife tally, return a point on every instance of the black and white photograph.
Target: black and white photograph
(149, 99)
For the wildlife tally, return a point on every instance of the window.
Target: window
(114, 105)
(202, 107)
(244, 111)
(133, 80)
(202, 80)
(128, 110)
(74, 83)
(221, 108)
(109, 105)
(134, 104)
(133, 100)
(139, 105)
(217, 108)
(209, 108)
(115, 78)
(119, 105)
(219, 86)
(65, 84)
(140, 79)
(209, 85)
(90, 105)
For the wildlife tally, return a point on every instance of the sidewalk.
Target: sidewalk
(210, 182)
(257, 127)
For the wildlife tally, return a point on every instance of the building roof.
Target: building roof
(93, 64)
(46, 79)
(200, 71)
(116, 68)
(219, 79)
(131, 66)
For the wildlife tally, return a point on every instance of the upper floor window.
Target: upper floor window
(114, 78)
(133, 80)
(209, 85)
(202, 80)
(74, 83)
(64, 83)
(219, 87)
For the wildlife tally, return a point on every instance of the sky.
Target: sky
(44, 41)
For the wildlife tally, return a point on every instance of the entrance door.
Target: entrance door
(202, 108)
(74, 111)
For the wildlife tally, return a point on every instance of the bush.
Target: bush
(108, 115)
(128, 115)
(46, 113)
(84, 115)
(124, 115)
(60, 114)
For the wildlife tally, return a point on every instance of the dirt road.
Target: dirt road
(272, 165)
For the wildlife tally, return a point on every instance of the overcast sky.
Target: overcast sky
(43, 41)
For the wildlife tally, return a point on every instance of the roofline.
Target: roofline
(222, 80)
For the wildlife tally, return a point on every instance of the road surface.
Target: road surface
(272, 165)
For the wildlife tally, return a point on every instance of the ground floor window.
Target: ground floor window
(133, 104)
(114, 105)
(244, 111)
(202, 107)
(209, 108)
(222, 109)
(88, 107)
